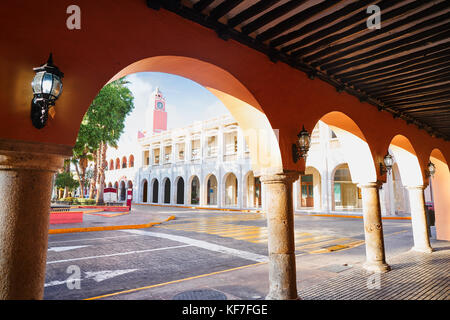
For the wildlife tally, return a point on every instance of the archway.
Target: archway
(194, 190)
(131, 161)
(309, 188)
(413, 179)
(231, 190)
(346, 194)
(155, 191)
(167, 187)
(144, 191)
(440, 185)
(180, 191)
(252, 194)
(123, 191)
(355, 148)
(263, 145)
(211, 190)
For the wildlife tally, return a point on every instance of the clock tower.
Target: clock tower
(156, 113)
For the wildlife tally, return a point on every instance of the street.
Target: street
(200, 243)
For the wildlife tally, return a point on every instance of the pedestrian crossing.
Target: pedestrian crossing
(305, 242)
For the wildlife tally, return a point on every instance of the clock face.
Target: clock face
(159, 105)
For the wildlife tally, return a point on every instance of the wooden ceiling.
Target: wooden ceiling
(402, 67)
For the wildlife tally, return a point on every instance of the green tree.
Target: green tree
(102, 124)
(65, 180)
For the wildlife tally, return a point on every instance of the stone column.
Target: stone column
(25, 193)
(280, 223)
(419, 219)
(373, 228)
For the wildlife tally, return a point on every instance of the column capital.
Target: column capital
(377, 184)
(32, 155)
(282, 177)
(415, 187)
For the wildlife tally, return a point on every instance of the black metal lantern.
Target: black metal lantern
(47, 87)
(431, 169)
(300, 149)
(387, 166)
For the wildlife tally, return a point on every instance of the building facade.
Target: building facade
(208, 164)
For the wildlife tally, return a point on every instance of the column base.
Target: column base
(276, 296)
(376, 267)
(422, 249)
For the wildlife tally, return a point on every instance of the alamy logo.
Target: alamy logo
(374, 21)
(374, 281)
(74, 20)
(73, 281)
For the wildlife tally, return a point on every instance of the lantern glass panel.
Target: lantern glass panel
(47, 83)
(57, 86)
(36, 84)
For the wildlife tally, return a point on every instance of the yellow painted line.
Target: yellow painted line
(259, 235)
(302, 234)
(234, 232)
(108, 228)
(321, 243)
(174, 281)
(312, 239)
(329, 249)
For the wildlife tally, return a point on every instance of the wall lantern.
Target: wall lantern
(47, 87)
(301, 147)
(431, 169)
(387, 166)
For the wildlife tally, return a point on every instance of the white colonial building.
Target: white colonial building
(208, 164)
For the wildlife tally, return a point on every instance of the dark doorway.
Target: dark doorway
(167, 191)
(144, 191)
(180, 191)
(155, 188)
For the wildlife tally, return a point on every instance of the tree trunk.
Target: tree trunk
(80, 180)
(101, 172)
(66, 169)
(93, 182)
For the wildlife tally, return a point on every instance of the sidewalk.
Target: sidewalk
(93, 220)
(414, 276)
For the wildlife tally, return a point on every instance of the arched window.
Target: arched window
(117, 163)
(131, 161)
(111, 164)
(124, 162)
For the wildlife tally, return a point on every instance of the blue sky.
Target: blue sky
(186, 102)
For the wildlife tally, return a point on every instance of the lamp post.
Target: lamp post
(47, 87)
(301, 147)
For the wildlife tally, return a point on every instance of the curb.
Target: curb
(350, 216)
(200, 208)
(108, 228)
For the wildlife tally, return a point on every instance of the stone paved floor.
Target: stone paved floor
(414, 276)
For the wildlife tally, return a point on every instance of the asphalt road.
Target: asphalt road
(93, 264)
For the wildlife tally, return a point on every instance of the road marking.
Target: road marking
(91, 239)
(100, 276)
(173, 281)
(97, 276)
(117, 254)
(203, 244)
(61, 249)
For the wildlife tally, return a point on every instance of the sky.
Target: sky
(186, 102)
